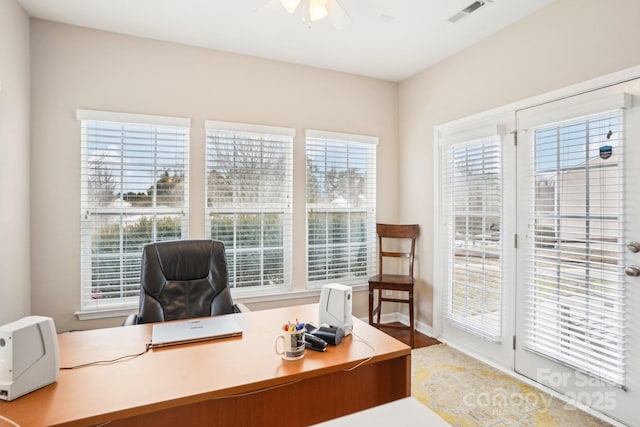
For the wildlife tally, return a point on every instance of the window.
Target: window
(575, 290)
(472, 209)
(134, 191)
(341, 207)
(249, 192)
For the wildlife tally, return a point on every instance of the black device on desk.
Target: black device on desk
(314, 343)
(330, 334)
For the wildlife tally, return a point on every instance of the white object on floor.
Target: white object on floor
(405, 412)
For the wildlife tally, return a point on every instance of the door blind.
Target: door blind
(575, 282)
(249, 184)
(472, 204)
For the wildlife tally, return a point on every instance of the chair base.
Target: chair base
(377, 311)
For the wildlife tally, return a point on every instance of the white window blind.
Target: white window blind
(575, 285)
(134, 191)
(341, 207)
(472, 209)
(249, 202)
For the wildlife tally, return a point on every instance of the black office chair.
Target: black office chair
(183, 279)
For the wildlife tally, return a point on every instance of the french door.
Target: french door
(477, 170)
(578, 216)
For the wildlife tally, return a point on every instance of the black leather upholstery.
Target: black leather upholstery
(183, 279)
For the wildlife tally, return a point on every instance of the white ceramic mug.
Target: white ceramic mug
(292, 344)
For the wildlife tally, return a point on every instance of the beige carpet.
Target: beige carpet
(466, 392)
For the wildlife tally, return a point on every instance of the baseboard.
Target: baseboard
(421, 327)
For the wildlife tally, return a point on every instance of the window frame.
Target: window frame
(487, 328)
(369, 209)
(277, 134)
(89, 305)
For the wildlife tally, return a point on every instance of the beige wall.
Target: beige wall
(567, 42)
(75, 68)
(15, 285)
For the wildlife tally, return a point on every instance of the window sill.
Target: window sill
(105, 313)
(310, 293)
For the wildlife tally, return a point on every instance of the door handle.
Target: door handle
(632, 270)
(633, 246)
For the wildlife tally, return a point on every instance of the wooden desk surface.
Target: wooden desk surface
(186, 374)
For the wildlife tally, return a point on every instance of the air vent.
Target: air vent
(466, 11)
(458, 16)
(473, 6)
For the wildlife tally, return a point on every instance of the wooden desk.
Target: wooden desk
(229, 382)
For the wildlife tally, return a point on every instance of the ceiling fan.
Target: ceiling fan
(316, 10)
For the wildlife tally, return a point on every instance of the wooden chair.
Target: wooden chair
(394, 282)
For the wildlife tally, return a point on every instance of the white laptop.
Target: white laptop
(194, 330)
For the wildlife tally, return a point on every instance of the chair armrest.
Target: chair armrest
(240, 308)
(131, 319)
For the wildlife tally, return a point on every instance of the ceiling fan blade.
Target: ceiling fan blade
(290, 5)
(337, 15)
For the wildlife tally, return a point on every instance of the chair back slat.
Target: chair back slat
(397, 231)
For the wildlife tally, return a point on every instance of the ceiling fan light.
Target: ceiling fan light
(318, 9)
(290, 5)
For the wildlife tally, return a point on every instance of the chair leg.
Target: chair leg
(370, 306)
(411, 321)
(379, 304)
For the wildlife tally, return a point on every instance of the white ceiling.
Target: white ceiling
(387, 39)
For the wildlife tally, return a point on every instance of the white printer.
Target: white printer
(29, 357)
(336, 306)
